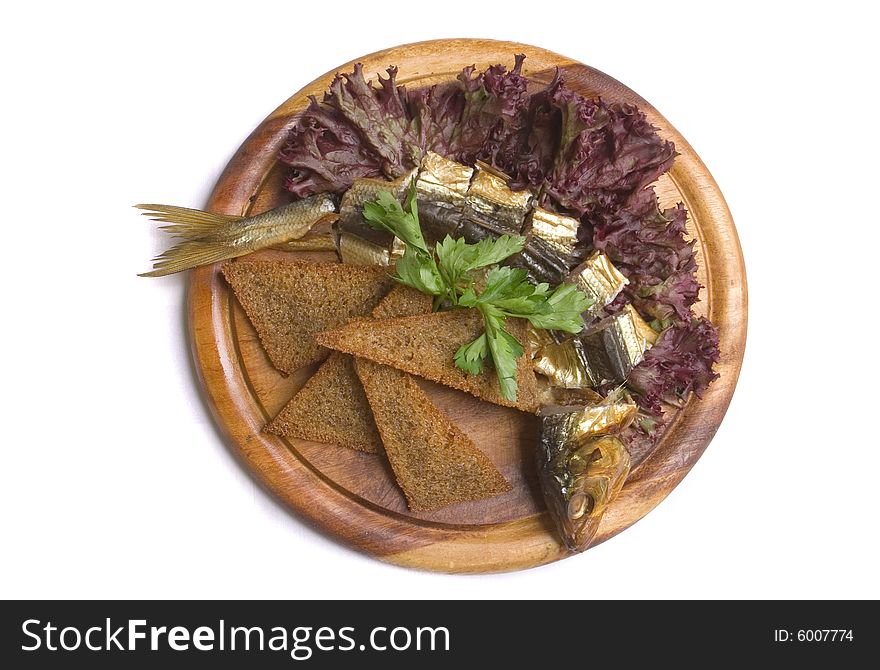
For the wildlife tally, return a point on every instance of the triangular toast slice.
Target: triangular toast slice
(402, 301)
(434, 462)
(288, 302)
(425, 345)
(332, 407)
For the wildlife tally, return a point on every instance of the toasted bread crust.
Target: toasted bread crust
(331, 407)
(434, 462)
(425, 346)
(402, 301)
(289, 301)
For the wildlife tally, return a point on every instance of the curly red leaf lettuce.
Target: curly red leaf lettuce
(492, 103)
(649, 246)
(435, 112)
(586, 154)
(679, 363)
(366, 129)
(641, 435)
(380, 116)
(528, 148)
(325, 153)
(606, 152)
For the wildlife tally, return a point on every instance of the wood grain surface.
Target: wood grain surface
(352, 495)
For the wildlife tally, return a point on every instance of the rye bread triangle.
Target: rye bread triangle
(425, 345)
(331, 407)
(288, 302)
(402, 301)
(434, 462)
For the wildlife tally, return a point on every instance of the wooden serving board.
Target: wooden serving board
(352, 495)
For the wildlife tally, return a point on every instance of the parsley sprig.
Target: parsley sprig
(460, 274)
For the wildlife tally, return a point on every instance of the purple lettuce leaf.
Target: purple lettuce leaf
(527, 150)
(679, 363)
(366, 129)
(379, 114)
(435, 112)
(606, 152)
(649, 246)
(325, 154)
(641, 435)
(492, 102)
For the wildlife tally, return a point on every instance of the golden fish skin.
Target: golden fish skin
(559, 232)
(398, 248)
(365, 189)
(595, 489)
(606, 418)
(553, 395)
(314, 243)
(581, 473)
(445, 177)
(351, 209)
(542, 262)
(599, 280)
(356, 250)
(210, 238)
(551, 247)
(625, 341)
(377, 244)
(441, 188)
(604, 353)
(615, 345)
(566, 365)
(473, 203)
(538, 339)
(362, 190)
(492, 205)
(645, 334)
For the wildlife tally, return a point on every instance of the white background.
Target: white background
(116, 483)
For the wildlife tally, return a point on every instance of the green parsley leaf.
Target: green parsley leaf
(563, 310)
(453, 257)
(417, 267)
(414, 271)
(504, 348)
(468, 298)
(491, 251)
(457, 259)
(470, 357)
(386, 213)
(505, 282)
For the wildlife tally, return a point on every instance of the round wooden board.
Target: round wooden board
(352, 495)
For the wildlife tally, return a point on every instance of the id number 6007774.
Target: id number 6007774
(813, 635)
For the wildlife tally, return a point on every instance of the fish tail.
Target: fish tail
(189, 254)
(190, 224)
(208, 238)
